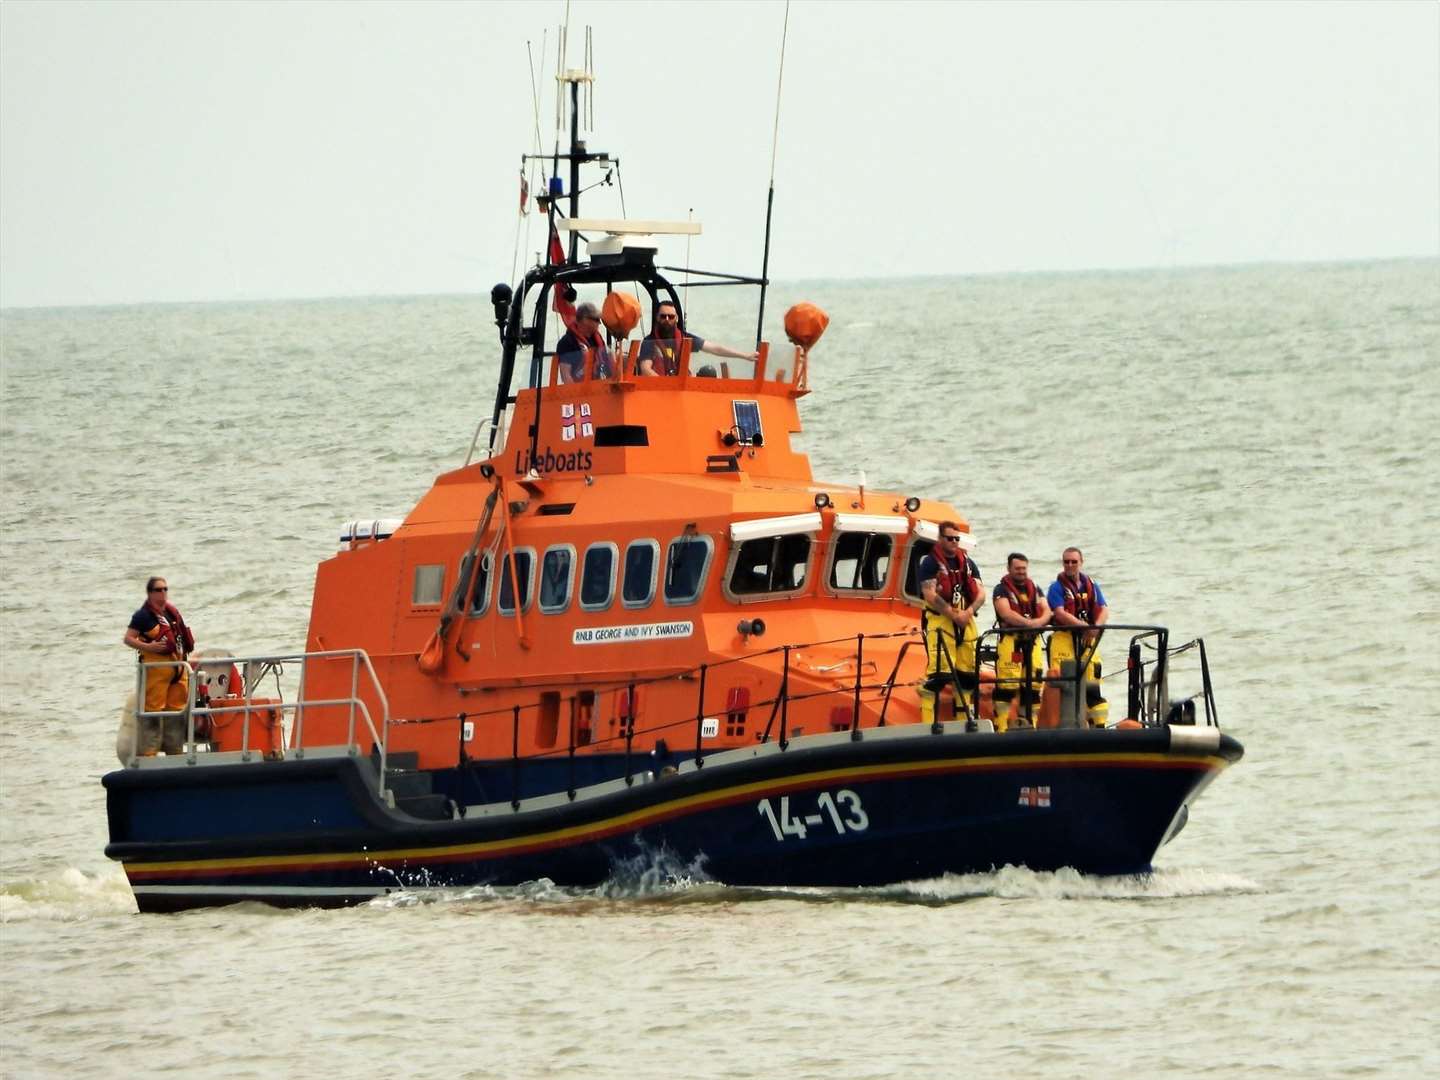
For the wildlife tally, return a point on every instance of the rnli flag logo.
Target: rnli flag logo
(567, 411)
(567, 432)
(1035, 796)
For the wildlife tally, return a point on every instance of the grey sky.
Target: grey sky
(215, 151)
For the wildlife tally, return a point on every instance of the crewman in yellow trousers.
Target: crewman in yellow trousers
(1021, 609)
(159, 634)
(951, 588)
(1077, 602)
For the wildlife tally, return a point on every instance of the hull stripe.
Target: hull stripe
(139, 872)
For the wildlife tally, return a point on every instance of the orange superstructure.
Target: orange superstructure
(624, 520)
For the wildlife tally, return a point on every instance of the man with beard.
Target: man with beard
(660, 352)
(1020, 605)
(950, 586)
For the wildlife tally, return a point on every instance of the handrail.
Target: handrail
(359, 658)
(1147, 678)
(475, 439)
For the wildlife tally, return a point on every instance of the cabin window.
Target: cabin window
(642, 559)
(861, 562)
(597, 577)
(556, 570)
(686, 561)
(524, 571)
(919, 548)
(480, 587)
(770, 564)
(429, 586)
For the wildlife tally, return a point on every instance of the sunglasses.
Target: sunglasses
(666, 318)
(1072, 562)
(951, 539)
(162, 588)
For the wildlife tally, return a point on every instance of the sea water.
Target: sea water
(1251, 454)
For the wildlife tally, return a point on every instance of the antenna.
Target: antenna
(770, 199)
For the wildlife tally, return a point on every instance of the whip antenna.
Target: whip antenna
(770, 199)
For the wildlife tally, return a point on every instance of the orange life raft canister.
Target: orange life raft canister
(228, 729)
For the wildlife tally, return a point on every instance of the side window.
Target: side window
(641, 561)
(524, 571)
(556, 569)
(480, 587)
(429, 587)
(686, 561)
(770, 564)
(919, 548)
(597, 577)
(862, 561)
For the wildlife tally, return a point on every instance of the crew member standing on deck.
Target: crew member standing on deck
(160, 636)
(1077, 601)
(660, 352)
(951, 588)
(1021, 609)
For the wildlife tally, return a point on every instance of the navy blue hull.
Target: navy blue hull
(873, 812)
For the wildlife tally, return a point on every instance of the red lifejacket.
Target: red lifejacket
(596, 343)
(955, 583)
(1079, 598)
(1024, 597)
(665, 353)
(173, 629)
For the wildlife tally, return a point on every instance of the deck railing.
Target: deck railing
(1147, 674)
(251, 709)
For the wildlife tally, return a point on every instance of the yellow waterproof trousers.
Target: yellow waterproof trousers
(1010, 664)
(167, 687)
(1062, 648)
(948, 661)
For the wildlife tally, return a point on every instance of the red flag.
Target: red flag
(557, 249)
(524, 192)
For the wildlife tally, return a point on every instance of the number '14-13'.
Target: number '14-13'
(841, 810)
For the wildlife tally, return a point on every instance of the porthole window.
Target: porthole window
(429, 587)
(597, 577)
(861, 562)
(557, 569)
(642, 559)
(770, 564)
(524, 571)
(686, 562)
(480, 586)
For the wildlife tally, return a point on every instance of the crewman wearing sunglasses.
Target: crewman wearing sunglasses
(950, 585)
(1078, 603)
(660, 352)
(159, 634)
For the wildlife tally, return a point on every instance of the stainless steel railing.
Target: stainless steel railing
(359, 709)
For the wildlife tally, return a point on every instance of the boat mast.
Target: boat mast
(577, 154)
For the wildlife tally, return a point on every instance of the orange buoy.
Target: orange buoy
(1128, 723)
(620, 313)
(805, 324)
